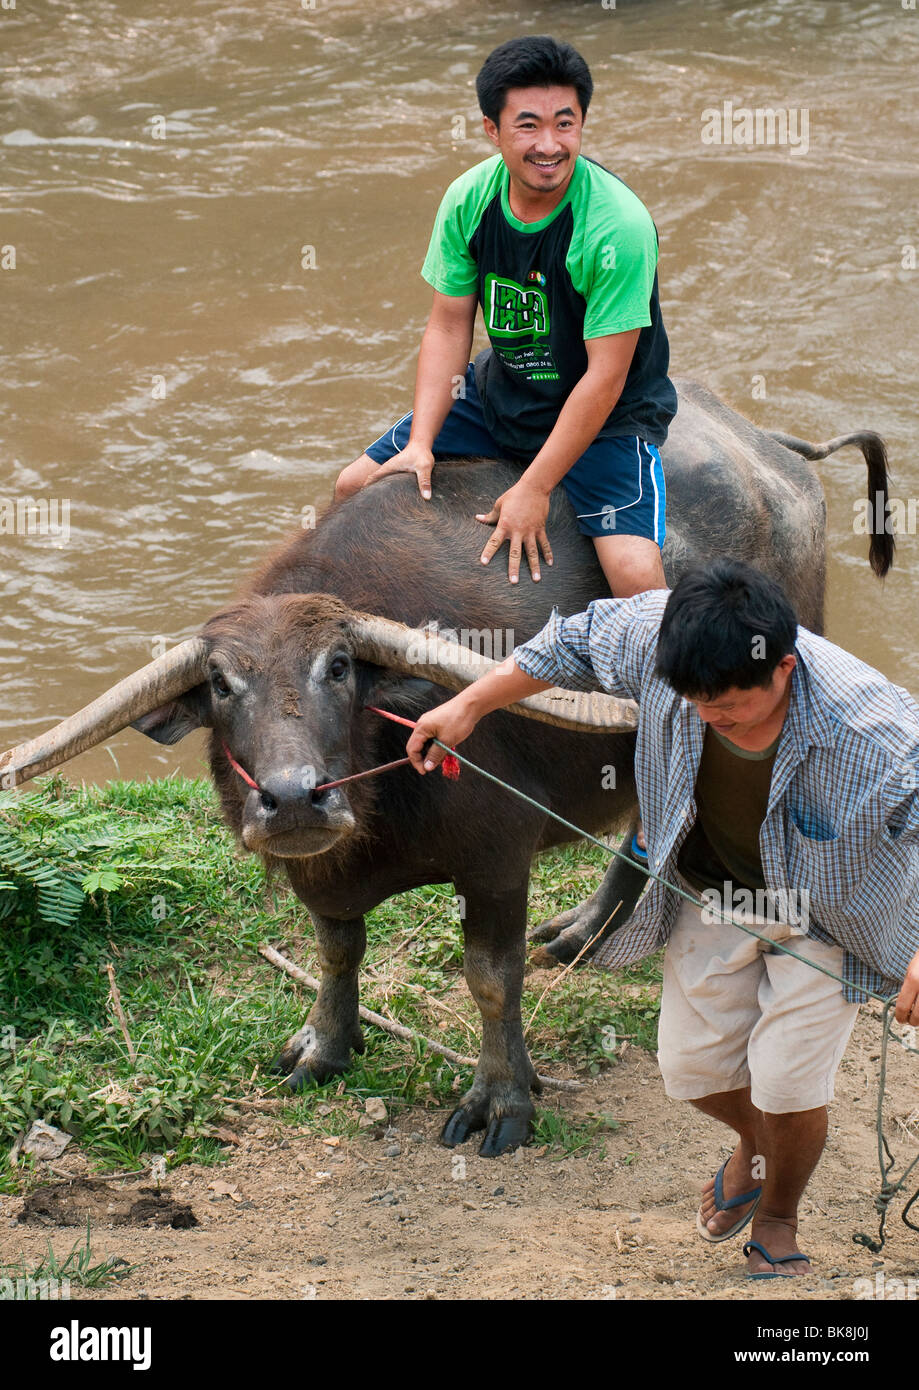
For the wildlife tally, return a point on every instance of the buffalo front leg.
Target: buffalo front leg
(322, 1047)
(498, 1101)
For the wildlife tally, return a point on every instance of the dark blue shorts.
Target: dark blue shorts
(616, 487)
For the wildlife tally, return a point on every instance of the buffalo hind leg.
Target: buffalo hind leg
(564, 936)
(322, 1047)
(498, 1101)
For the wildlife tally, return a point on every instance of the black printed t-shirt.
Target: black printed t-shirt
(587, 270)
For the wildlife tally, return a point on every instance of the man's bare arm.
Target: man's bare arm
(443, 357)
(586, 409)
(519, 515)
(455, 719)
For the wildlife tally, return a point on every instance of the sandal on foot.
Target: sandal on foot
(773, 1260)
(722, 1205)
(638, 854)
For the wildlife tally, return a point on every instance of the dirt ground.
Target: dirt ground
(296, 1217)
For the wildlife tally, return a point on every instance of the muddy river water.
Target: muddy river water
(181, 377)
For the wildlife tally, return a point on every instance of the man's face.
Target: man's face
(539, 136)
(738, 713)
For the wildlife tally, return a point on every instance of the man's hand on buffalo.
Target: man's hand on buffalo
(414, 458)
(519, 516)
(450, 722)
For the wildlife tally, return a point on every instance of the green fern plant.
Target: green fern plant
(54, 853)
(58, 895)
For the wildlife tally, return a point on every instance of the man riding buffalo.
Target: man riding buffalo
(562, 257)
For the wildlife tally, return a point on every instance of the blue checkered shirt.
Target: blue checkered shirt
(842, 819)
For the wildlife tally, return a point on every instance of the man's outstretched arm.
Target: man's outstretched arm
(455, 719)
(604, 648)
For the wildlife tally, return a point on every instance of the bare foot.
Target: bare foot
(779, 1237)
(736, 1179)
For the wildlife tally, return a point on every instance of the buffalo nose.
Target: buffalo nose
(288, 789)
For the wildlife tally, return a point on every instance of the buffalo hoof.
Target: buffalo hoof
(309, 1056)
(608, 909)
(460, 1125)
(285, 1062)
(563, 937)
(503, 1131)
(314, 1074)
(505, 1134)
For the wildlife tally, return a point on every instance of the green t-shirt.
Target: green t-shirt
(587, 270)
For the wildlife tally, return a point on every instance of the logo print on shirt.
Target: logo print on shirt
(513, 311)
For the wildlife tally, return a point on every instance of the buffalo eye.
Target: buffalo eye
(219, 685)
(338, 668)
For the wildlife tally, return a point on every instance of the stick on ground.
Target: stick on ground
(398, 1030)
(119, 1013)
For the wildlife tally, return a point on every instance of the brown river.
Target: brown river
(212, 223)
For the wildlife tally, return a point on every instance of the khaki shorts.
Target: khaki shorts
(734, 1014)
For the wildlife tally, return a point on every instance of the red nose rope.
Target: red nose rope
(449, 767)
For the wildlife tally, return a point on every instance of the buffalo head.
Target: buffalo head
(285, 692)
(282, 681)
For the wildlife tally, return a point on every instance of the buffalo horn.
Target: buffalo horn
(425, 653)
(153, 685)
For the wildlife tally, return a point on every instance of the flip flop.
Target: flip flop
(773, 1260)
(722, 1205)
(636, 851)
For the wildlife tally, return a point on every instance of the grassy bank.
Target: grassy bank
(144, 877)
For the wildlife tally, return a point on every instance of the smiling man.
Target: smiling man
(771, 761)
(562, 257)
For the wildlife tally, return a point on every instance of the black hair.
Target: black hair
(535, 61)
(725, 626)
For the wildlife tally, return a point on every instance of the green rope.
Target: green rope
(885, 1159)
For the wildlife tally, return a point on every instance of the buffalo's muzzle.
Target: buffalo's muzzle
(289, 816)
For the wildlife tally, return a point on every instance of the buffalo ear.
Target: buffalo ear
(172, 722)
(408, 695)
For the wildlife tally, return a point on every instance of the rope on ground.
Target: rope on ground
(886, 1160)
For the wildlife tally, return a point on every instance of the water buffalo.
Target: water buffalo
(284, 677)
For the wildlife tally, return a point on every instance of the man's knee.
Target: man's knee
(353, 478)
(785, 1087)
(632, 564)
(345, 484)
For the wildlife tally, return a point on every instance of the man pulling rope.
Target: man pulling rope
(773, 768)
